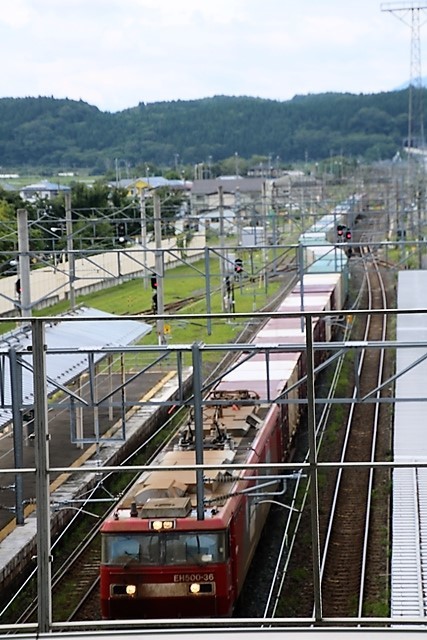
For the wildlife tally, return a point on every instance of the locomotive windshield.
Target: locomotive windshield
(164, 548)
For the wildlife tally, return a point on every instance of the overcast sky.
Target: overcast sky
(117, 53)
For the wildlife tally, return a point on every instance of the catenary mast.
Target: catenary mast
(410, 13)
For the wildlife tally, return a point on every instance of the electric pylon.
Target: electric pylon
(410, 14)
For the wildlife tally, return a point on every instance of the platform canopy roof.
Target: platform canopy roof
(92, 332)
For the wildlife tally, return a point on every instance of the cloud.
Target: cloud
(15, 13)
(115, 53)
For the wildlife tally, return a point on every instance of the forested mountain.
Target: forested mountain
(46, 132)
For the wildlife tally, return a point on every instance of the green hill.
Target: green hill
(46, 132)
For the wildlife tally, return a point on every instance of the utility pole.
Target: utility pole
(158, 266)
(264, 209)
(41, 442)
(222, 264)
(143, 218)
(24, 262)
(238, 216)
(70, 246)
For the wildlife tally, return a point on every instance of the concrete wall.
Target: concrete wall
(51, 284)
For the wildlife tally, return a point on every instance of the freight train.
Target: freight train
(180, 543)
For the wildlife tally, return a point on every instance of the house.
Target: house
(136, 186)
(44, 190)
(211, 221)
(296, 189)
(241, 195)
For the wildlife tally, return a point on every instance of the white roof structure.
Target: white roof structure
(94, 330)
(409, 526)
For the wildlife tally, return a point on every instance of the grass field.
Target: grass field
(133, 297)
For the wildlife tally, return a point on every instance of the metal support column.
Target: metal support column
(222, 263)
(143, 218)
(18, 445)
(93, 396)
(44, 601)
(159, 268)
(24, 262)
(300, 261)
(70, 254)
(208, 291)
(198, 427)
(265, 232)
(312, 458)
(123, 393)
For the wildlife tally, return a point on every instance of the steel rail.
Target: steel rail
(373, 448)
(350, 420)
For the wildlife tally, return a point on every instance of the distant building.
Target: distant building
(296, 189)
(210, 221)
(239, 195)
(44, 190)
(136, 186)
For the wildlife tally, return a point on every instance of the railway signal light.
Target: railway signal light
(153, 281)
(18, 288)
(340, 230)
(121, 232)
(238, 265)
(348, 234)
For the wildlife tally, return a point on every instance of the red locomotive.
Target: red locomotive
(180, 544)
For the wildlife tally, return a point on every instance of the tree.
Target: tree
(372, 120)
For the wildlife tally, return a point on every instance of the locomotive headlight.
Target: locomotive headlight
(158, 525)
(195, 587)
(130, 589)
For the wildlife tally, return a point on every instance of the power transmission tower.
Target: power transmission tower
(410, 14)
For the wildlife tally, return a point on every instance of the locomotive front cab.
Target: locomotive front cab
(165, 573)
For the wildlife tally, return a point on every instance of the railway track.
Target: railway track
(285, 267)
(353, 526)
(347, 540)
(75, 574)
(85, 605)
(88, 606)
(75, 583)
